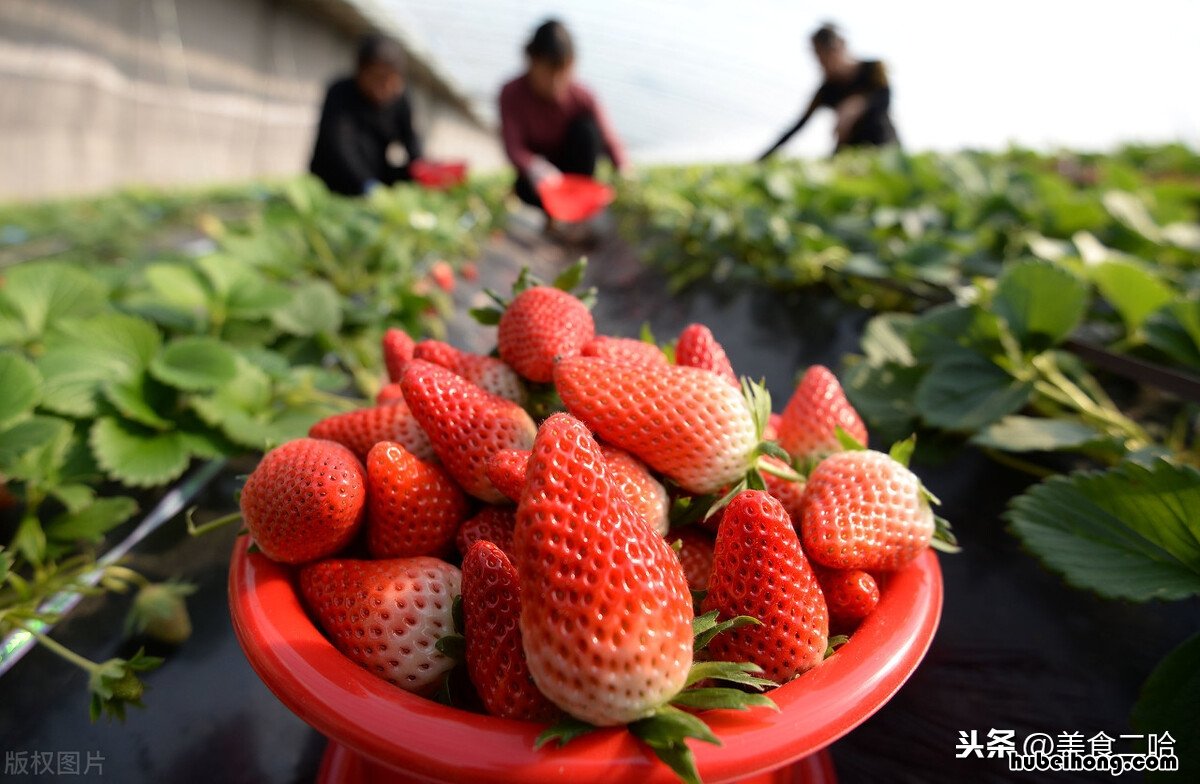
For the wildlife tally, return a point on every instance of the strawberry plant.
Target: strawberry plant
(127, 356)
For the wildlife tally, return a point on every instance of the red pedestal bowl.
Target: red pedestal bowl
(380, 733)
(574, 197)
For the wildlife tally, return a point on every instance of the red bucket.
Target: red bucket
(380, 733)
(438, 175)
(574, 197)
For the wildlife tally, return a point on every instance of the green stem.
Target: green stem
(211, 525)
(783, 472)
(1070, 393)
(85, 664)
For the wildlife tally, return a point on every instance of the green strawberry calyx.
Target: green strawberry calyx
(667, 729)
(568, 280)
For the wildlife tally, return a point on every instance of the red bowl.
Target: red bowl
(438, 175)
(381, 727)
(574, 197)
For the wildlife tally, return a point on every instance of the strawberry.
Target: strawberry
(488, 373)
(771, 431)
(633, 479)
(491, 607)
(863, 510)
(465, 424)
(304, 500)
(492, 524)
(397, 352)
(362, 429)
(760, 571)
(699, 349)
(609, 637)
(695, 554)
(850, 594)
(413, 507)
(627, 350)
(470, 272)
(539, 325)
(389, 393)
(387, 615)
(506, 472)
(808, 427)
(442, 274)
(685, 423)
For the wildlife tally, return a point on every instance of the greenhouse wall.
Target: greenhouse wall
(103, 93)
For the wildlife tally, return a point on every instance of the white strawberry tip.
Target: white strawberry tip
(666, 730)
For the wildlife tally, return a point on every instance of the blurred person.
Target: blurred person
(857, 90)
(362, 116)
(551, 123)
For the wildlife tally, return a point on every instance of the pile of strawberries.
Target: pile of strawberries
(657, 532)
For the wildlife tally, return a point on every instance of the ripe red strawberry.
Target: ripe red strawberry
(627, 350)
(488, 373)
(465, 424)
(808, 427)
(491, 606)
(387, 615)
(304, 500)
(397, 351)
(609, 639)
(413, 507)
(864, 510)
(771, 431)
(787, 492)
(442, 274)
(492, 524)
(506, 472)
(389, 393)
(647, 494)
(699, 349)
(850, 594)
(540, 324)
(695, 554)
(760, 571)
(362, 429)
(686, 423)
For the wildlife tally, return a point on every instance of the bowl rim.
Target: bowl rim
(434, 742)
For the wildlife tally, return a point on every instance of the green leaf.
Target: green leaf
(6, 562)
(565, 730)
(1043, 303)
(40, 294)
(453, 646)
(81, 356)
(883, 395)
(20, 390)
(141, 398)
(195, 363)
(902, 451)
(1168, 701)
(721, 698)
(1175, 331)
(666, 732)
(92, 522)
(136, 456)
(179, 286)
(1131, 532)
(744, 673)
(35, 449)
(572, 276)
(1129, 210)
(847, 442)
(75, 497)
(706, 627)
(1134, 290)
(884, 340)
(968, 392)
(488, 317)
(30, 540)
(1017, 433)
(315, 309)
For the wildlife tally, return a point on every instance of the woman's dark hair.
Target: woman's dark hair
(551, 43)
(378, 48)
(826, 36)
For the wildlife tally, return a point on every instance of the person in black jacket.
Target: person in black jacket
(857, 90)
(362, 115)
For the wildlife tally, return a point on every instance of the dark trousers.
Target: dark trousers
(580, 150)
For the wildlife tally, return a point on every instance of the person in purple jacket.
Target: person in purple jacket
(551, 123)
